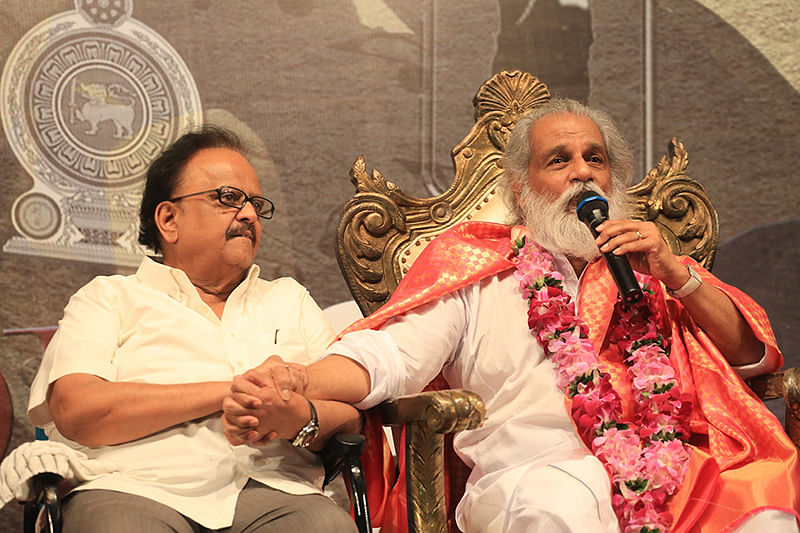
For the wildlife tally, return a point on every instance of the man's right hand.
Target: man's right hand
(251, 392)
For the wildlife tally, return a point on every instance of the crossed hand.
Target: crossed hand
(266, 403)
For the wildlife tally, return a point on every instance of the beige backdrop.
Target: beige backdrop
(312, 84)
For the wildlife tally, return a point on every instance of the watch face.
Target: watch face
(309, 432)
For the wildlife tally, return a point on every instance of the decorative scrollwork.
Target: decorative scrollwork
(425, 480)
(509, 94)
(679, 206)
(366, 183)
(503, 98)
(370, 219)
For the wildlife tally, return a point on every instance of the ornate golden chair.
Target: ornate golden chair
(383, 230)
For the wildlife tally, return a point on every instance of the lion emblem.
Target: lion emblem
(111, 102)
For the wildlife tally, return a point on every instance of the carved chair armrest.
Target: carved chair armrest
(428, 416)
(443, 411)
(783, 384)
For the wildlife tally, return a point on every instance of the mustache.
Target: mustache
(241, 230)
(569, 198)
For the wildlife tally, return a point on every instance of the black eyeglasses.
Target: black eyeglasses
(233, 197)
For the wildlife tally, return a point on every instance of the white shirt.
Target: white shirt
(527, 456)
(152, 327)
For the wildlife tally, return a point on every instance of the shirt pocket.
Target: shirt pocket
(288, 343)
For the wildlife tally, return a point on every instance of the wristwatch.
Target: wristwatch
(689, 287)
(309, 432)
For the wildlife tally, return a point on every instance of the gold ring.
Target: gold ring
(639, 236)
(287, 368)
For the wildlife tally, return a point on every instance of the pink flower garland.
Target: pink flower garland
(646, 457)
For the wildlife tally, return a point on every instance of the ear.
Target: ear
(166, 222)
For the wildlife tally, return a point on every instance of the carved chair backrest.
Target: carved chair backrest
(383, 229)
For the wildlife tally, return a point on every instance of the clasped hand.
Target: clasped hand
(266, 403)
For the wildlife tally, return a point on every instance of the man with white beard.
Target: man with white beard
(659, 432)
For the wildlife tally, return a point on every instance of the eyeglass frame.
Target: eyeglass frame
(247, 198)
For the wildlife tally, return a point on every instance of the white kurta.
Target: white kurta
(152, 327)
(530, 470)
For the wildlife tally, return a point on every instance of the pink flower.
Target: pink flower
(595, 403)
(645, 514)
(650, 367)
(620, 450)
(550, 309)
(666, 464)
(573, 357)
(669, 411)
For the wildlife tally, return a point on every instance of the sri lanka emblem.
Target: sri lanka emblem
(89, 97)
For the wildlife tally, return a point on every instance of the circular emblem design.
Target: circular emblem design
(94, 101)
(104, 12)
(37, 216)
(86, 104)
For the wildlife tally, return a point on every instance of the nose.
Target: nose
(247, 212)
(581, 171)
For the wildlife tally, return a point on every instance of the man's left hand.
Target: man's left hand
(287, 377)
(646, 250)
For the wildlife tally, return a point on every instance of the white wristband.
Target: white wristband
(689, 287)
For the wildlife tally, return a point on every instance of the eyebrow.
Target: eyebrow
(597, 147)
(593, 147)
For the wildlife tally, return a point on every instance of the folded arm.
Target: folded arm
(94, 412)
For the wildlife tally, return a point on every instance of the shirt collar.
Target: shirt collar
(174, 282)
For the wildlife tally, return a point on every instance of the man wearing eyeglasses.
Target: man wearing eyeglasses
(134, 379)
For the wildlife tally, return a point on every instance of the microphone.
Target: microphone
(593, 210)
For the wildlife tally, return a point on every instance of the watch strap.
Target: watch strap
(309, 432)
(689, 287)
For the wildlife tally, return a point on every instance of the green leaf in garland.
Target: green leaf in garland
(608, 425)
(583, 379)
(662, 388)
(658, 341)
(664, 435)
(637, 485)
(517, 245)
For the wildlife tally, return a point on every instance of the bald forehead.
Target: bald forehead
(215, 167)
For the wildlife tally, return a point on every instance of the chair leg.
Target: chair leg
(342, 454)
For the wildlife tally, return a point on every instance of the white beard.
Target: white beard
(552, 222)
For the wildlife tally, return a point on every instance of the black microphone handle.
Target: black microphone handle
(593, 211)
(623, 276)
(620, 269)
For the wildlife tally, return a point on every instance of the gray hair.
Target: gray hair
(518, 150)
